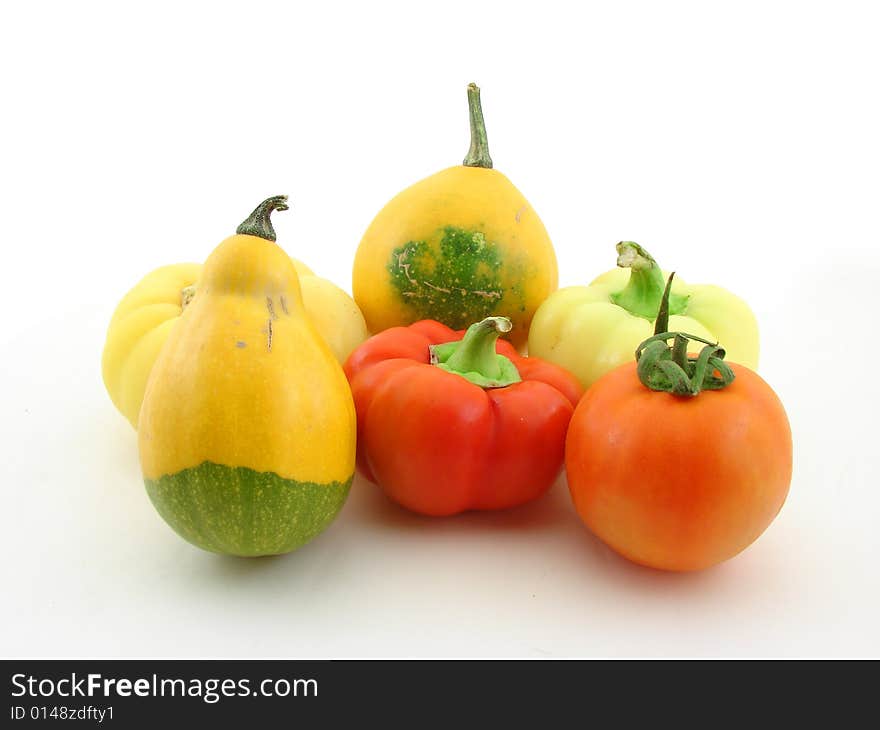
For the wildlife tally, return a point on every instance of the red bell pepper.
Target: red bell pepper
(451, 421)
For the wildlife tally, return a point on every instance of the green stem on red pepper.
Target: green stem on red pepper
(643, 292)
(258, 223)
(670, 368)
(478, 154)
(474, 357)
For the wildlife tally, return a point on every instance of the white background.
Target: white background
(738, 142)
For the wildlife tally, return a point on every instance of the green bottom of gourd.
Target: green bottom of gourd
(239, 511)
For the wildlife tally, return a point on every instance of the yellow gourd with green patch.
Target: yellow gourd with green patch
(459, 246)
(247, 429)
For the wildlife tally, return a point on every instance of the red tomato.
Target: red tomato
(678, 483)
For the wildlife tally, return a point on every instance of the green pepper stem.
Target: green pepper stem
(474, 357)
(478, 154)
(671, 369)
(259, 222)
(643, 292)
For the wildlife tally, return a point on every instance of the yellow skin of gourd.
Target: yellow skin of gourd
(143, 319)
(472, 199)
(245, 380)
(582, 330)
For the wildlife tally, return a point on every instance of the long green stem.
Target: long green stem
(259, 222)
(474, 357)
(478, 154)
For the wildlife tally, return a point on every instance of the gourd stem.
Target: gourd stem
(259, 222)
(478, 154)
(474, 357)
(670, 368)
(643, 292)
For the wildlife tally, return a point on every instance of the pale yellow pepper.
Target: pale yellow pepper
(590, 330)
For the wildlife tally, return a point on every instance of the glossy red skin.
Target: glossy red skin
(438, 444)
(675, 483)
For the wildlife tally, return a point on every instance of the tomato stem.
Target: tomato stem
(474, 357)
(259, 222)
(478, 154)
(670, 368)
(644, 291)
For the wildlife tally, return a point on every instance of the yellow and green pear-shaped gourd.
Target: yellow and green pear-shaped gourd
(149, 311)
(247, 429)
(459, 246)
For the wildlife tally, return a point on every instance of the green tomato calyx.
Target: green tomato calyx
(670, 368)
